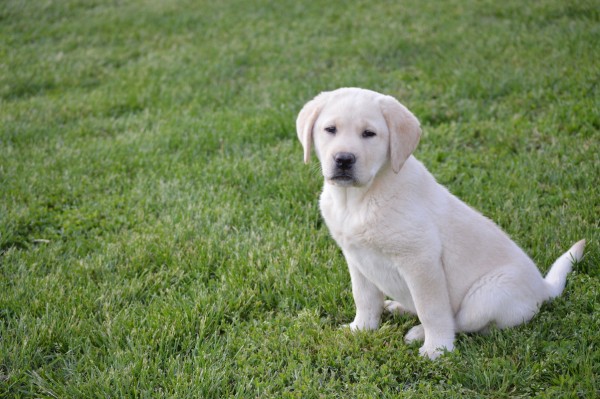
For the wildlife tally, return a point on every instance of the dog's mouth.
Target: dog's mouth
(342, 179)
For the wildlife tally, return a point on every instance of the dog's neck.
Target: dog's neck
(346, 197)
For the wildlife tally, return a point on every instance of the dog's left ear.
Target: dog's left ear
(306, 122)
(404, 128)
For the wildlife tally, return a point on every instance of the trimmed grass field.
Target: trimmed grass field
(160, 235)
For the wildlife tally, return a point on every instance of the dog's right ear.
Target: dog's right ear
(306, 122)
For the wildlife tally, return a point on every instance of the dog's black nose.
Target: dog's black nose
(344, 160)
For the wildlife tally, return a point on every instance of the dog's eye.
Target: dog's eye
(331, 129)
(368, 133)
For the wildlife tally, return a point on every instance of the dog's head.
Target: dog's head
(356, 133)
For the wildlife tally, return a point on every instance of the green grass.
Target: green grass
(160, 236)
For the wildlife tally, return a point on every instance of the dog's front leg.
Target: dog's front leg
(368, 300)
(429, 292)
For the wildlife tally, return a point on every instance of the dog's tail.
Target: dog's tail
(557, 276)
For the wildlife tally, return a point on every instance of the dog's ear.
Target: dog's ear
(306, 122)
(404, 128)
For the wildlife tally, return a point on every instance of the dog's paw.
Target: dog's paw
(362, 325)
(352, 327)
(417, 333)
(394, 307)
(435, 350)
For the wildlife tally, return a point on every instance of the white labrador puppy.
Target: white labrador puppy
(405, 236)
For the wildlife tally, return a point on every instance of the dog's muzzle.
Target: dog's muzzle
(344, 163)
(344, 160)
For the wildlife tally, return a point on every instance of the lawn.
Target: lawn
(160, 235)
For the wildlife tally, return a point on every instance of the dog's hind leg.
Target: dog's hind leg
(395, 308)
(500, 298)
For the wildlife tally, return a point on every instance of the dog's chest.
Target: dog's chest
(356, 223)
(379, 267)
(349, 227)
(365, 242)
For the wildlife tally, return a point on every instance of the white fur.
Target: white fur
(404, 236)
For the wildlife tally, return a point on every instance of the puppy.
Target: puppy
(406, 237)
